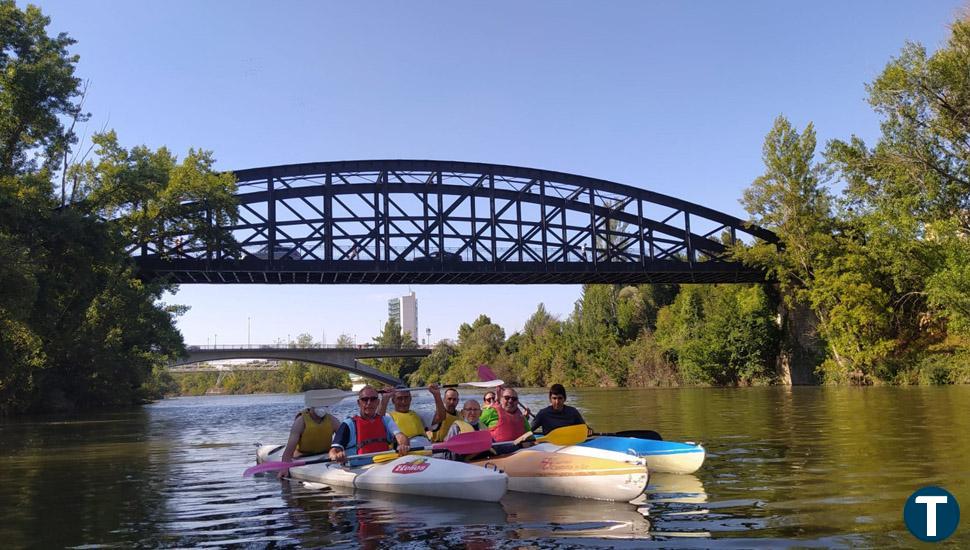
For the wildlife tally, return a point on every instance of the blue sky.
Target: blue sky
(675, 97)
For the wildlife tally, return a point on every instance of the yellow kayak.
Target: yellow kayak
(572, 471)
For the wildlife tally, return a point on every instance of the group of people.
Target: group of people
(374, 430)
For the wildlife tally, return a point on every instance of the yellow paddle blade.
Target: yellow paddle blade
(379, 459)
(567, 435)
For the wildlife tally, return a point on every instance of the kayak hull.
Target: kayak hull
(662, 456)
(406, 475)
(573, 472)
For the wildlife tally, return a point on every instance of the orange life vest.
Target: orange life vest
(509, 426)
(371, 435)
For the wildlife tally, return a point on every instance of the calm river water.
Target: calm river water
(807, 467)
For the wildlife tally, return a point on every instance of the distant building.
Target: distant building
(404, 310)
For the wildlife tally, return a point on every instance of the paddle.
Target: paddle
(331, 397)
(380, 459)
(484, 384)
(638, 434)
(463, 444)
(567, 435)
(325, 398)
(487, 375)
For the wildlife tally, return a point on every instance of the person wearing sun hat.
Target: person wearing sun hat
(312, 430)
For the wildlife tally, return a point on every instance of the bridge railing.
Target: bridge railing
(279, 347)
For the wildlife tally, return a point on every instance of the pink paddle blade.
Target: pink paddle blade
(485, 374)
(467, 443)
(271, 466)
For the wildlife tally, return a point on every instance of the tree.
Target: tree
(37, 87)
(478, 343)
(720, 334)
(80, 328)
(391, 337)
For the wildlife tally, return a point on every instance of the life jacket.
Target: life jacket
(439, 435)
(371, 435)
(509, 426)
(465, 427)
(409, 423)
(317, 436)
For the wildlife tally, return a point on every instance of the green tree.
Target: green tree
(723, 334)
(478, 343)
(432, 368)
(37, 88)
(391, 337)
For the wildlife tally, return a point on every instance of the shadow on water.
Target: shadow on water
(68, 481)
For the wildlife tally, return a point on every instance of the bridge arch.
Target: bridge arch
(345, 359)
(428, 221)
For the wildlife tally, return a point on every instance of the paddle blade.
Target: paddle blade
(567, 435)
(380, 459)
(271, 466)
(467, 443)
(486, 384)
(325, 398)
(485, 374)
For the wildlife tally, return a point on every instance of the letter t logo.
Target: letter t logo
(930, 502)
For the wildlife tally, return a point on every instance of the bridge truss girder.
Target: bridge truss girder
(405, 221)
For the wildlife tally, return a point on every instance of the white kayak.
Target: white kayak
(406, 475)
(573, 471)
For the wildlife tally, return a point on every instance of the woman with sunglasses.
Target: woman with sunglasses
(488, 399)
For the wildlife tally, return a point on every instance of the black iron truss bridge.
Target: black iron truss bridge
(444, 222)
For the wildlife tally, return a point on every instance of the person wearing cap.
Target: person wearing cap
(416, 426)
(558, 414)
(312, 431)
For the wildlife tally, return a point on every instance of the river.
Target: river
(803, 466)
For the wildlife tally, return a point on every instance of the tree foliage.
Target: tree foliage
(78, 328)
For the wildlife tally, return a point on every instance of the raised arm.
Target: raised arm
(386, 395)
(439, 406)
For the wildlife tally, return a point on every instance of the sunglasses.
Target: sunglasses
(489, 399)
(368, 399)
(509, 398)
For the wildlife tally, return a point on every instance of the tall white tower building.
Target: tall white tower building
(405, 311)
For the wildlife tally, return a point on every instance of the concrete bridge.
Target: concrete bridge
(341, 358)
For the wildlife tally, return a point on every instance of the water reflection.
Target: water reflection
(786, 467)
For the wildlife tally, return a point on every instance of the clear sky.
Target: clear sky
(675, 97)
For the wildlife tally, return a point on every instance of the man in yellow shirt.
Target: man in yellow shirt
(417, 426)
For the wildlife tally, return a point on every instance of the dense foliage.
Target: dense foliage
(883, 265)
(78, 328)
(644, 335)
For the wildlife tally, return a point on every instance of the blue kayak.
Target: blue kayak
(662, 456)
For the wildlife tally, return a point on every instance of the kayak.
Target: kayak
(662, 456)
(406, 475)
(572, 471)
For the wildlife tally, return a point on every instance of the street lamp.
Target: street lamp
(215, 341)
(249, 341)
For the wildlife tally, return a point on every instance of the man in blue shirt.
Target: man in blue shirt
(558, 414)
